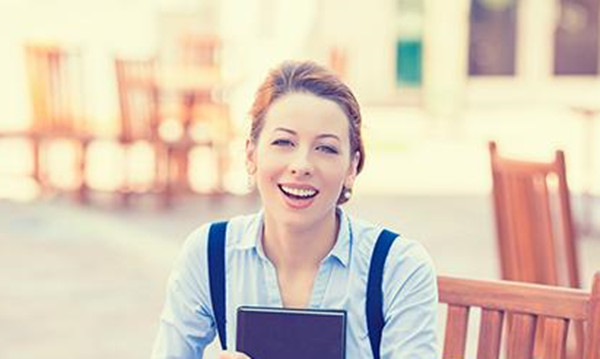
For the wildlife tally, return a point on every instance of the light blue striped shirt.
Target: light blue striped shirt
(187, 324)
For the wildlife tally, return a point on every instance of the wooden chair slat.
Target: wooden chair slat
(521, 339)
(456, 332)
(553, 342)
(490, 333)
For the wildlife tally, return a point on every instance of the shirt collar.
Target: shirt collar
(340, 251)
(253, 233)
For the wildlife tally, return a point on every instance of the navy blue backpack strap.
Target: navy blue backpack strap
(374, 307)
(216, 276)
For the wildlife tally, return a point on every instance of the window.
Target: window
(409, 43)
(576, 38)
(492, 36)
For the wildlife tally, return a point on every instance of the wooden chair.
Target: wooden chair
(141, 120)
(55, 76)
(528, 304)
(200, 50)
(205, 114)
(535, 233)
(140, 117)
(338, 61)
(200, 53)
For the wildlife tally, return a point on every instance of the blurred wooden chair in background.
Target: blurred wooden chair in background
(55, 76)
(205, 113)
(536, 238)
(528, 305)
(338, 61)
(200, 50)
(138, 104)
(141, 119)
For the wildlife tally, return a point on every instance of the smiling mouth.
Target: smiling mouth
(298, 193)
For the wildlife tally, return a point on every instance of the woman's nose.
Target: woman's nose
(301, 165)
(301, 172)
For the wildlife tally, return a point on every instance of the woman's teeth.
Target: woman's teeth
(298, 192)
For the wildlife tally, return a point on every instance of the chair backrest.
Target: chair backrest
(338, 61)
(200, 51)
(55, 76)
(138, 99)
(528, 304)
(535, 231)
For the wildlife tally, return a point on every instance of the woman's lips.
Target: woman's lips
(298, 197)
(298, 191)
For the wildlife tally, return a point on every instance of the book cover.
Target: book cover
(274, 333)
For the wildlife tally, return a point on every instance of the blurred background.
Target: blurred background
(122, 128)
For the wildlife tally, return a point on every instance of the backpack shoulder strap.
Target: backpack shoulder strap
(216, 276)
(374, 306)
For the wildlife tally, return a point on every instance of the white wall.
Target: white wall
(368, 30)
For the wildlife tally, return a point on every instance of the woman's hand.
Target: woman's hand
(233, 355)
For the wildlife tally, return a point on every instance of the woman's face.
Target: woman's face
(301, 160)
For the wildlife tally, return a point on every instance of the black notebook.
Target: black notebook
(274, 333)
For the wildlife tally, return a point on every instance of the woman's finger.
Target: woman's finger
(233, 355)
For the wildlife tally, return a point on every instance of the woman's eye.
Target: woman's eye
(327, 149)
(282, 142)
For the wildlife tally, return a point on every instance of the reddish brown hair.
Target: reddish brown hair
(308, 77)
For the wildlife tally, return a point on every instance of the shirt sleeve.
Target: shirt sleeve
(186, 324)
(410, 303)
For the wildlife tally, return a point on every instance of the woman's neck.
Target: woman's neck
(299, 247)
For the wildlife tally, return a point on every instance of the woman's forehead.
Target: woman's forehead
(302, 112)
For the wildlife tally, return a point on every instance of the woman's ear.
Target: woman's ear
(250, 157)
(352, 171)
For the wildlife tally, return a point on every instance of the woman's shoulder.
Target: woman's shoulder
(405, 251)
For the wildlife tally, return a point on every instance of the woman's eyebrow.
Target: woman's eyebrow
(329, 135)
(292, 132)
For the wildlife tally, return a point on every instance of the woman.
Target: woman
(302, 250)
